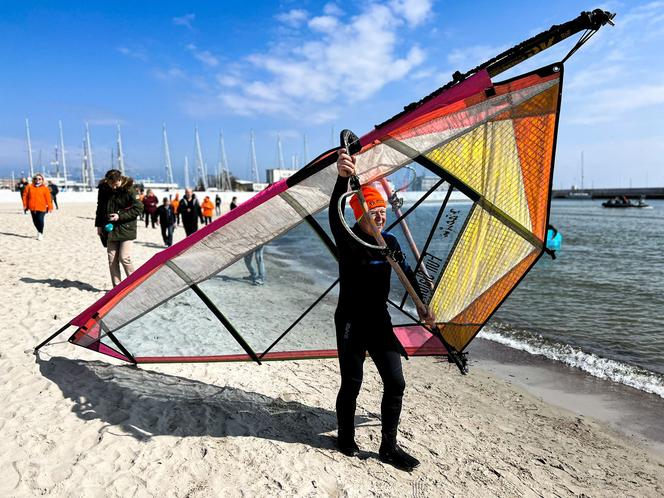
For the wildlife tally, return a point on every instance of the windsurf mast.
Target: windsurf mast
(590, 22)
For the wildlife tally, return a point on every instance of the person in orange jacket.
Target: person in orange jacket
(37, 199)
(175, 203)
(208, 208)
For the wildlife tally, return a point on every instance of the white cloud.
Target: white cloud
(228, 80)
(414, 11)
(340, 61)
(324, 24)
(186, 21)
(173, 73)
(332, 9)
(135, 53)
(611, 105)
(204, 56)
(293, 18)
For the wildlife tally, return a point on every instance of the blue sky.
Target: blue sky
(308, 67)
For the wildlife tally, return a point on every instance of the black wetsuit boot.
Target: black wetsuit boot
(390, 453)
(346, 443)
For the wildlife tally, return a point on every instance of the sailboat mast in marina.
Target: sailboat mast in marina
(167, 156)
(30, 163)
(121, 162)
(200, 165)
(63, 154)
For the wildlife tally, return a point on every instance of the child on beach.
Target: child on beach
(166, 217)
(208, 208)
(118, 203)
(37, 199)
(362, 321)
(175, 203)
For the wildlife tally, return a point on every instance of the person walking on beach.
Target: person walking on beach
(233, 203)
(190, 210)
(175, 203)
(54, 193)
(141, 196)
(362, 320)
(166, 217)
(150, 203)
(37, 199)
(217, 205)
(257, 275)
(207, 208)
(20, 186)
(118, 206)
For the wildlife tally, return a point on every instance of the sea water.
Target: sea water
(597, 307)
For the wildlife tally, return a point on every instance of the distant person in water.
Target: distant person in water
(166, 217)
(217, 205)
(256, 275)
(118, 206)
(190, 210)
(54, 193)
(37, 199)
(207, 209)
(150, 203)
(233, 203)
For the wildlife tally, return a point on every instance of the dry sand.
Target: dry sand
(75, 423)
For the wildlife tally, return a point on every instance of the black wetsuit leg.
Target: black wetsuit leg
(351, 367)
(352, 353)
(388, 363)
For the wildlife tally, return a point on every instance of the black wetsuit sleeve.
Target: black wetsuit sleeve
(341, 236)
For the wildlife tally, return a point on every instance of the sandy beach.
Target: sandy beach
(76, 423)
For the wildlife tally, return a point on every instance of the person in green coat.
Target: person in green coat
(118, 206)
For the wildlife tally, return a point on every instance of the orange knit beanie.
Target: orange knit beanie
(372, 198)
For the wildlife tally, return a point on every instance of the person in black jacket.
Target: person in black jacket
(362, 320)
(217, 205)
(190, 211)
(118, 206)
(54, 193)
(166, 218)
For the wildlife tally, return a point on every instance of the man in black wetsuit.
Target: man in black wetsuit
(363, 322)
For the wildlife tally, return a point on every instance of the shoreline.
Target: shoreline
(630, 411)
(223, 429)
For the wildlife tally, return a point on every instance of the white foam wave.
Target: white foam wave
(596, 366)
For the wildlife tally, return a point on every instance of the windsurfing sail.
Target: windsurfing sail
(487, 149)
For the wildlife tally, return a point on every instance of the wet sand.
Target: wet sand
(75, 423)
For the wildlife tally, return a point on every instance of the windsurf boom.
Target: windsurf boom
(479, 227)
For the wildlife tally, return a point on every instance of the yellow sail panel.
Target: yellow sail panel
(487, 160)
(486, 251)
(463, 327)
